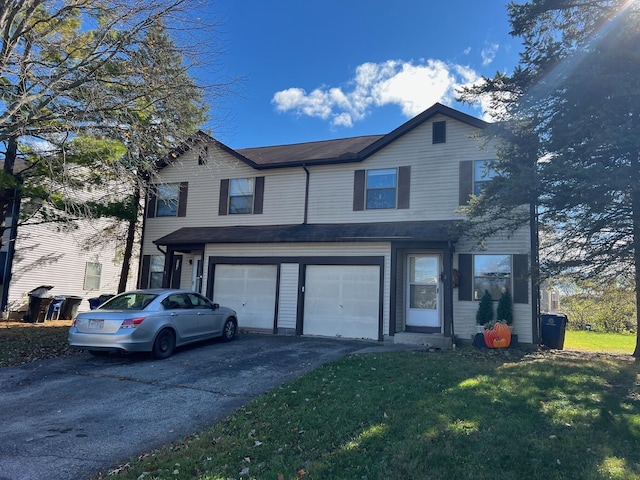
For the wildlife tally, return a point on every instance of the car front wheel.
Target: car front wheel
(229, 330)
(165, 344)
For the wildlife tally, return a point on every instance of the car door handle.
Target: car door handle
(200, 313)
(173, 314)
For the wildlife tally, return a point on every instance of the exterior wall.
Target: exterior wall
(45, 256)
(434, 178)
(284, 195)
(465, 311)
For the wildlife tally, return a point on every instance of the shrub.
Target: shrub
(505, 308)
(485, 309)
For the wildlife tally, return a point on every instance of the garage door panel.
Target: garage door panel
(342, 300)
(250, 290)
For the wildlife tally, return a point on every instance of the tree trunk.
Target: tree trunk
(131, 235)
(8, 193)
(635, 203)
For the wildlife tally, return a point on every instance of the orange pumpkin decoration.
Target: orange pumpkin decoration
(500, 343)
(503, 332)
(489, 336)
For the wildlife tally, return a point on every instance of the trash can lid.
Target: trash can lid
(40, 291)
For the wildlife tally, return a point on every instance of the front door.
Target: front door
(423, 292)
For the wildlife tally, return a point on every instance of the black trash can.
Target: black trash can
(553, 326)
(69, 307)
(39, 302)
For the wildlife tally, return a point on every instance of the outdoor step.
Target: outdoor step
(432, 340)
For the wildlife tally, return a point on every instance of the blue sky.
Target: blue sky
(325, 69)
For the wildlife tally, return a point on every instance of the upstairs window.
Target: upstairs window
(92, 274)
(439, 132)
(167, 200)
(482, 174)
(381, 188)
(241, 195)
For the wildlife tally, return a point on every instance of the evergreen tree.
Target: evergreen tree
(485, 309)
(567, 123)
(504, 310)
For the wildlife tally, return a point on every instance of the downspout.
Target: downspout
(306, 196)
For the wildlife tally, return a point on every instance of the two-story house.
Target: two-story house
(342, 238)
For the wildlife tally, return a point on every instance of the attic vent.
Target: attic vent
(439, 132)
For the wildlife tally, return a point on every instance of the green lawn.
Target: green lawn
(468, 414)
(599, 342)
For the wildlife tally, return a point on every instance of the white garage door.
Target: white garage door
(250, 290)
(342, 300)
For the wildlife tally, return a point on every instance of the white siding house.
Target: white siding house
(350, 238)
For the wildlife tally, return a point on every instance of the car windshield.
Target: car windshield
(129, 301)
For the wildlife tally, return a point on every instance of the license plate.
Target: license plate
(96, 324)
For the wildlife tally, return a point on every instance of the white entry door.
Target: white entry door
(250, 290)
(423, 292)
(342, 301)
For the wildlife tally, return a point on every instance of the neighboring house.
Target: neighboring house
(349, 238)
(44, 255)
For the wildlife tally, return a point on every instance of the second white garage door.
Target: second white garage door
(342, 300)
(250, 290)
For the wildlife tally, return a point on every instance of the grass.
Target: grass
(27, 342)
(468, 414)
(465, 414)
(599, 342)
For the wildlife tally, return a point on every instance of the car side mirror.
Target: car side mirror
(216, 306)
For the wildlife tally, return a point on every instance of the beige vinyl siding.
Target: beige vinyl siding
(293, 250)
(47, 257)
(465, 312)
(288, 299)
(434, 177)
(284, 192)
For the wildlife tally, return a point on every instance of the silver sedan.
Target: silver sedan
(156, 320)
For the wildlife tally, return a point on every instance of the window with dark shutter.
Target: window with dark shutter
(439, 132)
(182, 199)
(404, 187)
(258, 196)
(359, 180)
(151, 202)
(466, 181)
(521, 278)
(223, 205)
(465, 277)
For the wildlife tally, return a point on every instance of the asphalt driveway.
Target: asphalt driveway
(72, 417)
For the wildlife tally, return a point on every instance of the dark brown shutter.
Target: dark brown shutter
(358, 190)
(258, 195)
(182, 199)
(176, 271)
(404, 186)
(144, 274)
(465, 277)
(521, 278)
(151, 201)
(466, 181)
(223, 206)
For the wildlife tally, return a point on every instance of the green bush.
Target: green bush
(505, 308)
(485, 309)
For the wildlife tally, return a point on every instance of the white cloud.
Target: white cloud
(413, 86)
(489, 53)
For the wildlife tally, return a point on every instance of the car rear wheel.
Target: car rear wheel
(229, 330)
(165, 344)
